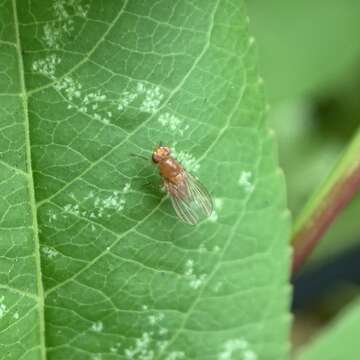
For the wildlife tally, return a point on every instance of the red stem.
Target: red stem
(306, 238)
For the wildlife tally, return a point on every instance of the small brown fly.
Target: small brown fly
(190, 199)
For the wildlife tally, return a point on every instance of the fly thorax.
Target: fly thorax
(169, 168)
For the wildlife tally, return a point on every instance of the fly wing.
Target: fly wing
(192, 202)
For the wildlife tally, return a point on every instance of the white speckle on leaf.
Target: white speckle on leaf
(72, 209)
(85, 101)
(195, 281)
(98, 206)
(70, 87)
(202, 249)
(173, 123)
(16, 315)
(49, 252)
(187, 160)
(140, 88)
(218, 205)
(216, 249)
(148, 346)
(249, 355)
(115, 348)
(126, 99)
(251, 40)
(176, 355)
(155, 319)
(63, 23)
(213, 217)
(97, 326)
(244, 181)
(3, 307)
(163, 331)
(52, 216)
(46, 66)
(152, 100)
(126, 188)
(237, 347)
(142, 349)
(260, 80)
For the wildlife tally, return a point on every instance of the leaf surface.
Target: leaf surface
(339, 340)
(123, 277)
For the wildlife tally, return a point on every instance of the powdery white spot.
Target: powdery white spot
(126, 99)
(216, 249)
(126, 188)
(161, 345)
(16, 316)
(251, 40)
(63, 23)
(98, 206)
(195, 281)
(218, 205)
(96, 357)
(152, 100)
(244, 181)
(202, 249)
(141, 349)
(260, 80)
(187, 160)
(145, 307)
(115, 348)
(72, 209)
(237, 347)
(52, 216)
(3, 307)
(46, 66)
(70, 87)
(97, 326)
(155, 319)
(213, 217)
(176, 355)
(148, 346)
(49, 252)
(85, 101)
(140, 88)
(173, 123)
(163, 331)
(249, 355)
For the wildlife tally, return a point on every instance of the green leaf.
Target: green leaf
(123, 277)
(304, 45)
(339, 340)
(21, 290)
(302, 142)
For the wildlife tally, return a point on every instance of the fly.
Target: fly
(190, 199)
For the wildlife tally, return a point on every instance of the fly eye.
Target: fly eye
(155, 159)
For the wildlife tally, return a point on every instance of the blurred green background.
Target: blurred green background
(309, 53)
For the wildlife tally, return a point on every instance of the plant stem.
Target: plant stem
(327, 203)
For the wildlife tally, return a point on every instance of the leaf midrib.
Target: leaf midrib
(31, 191)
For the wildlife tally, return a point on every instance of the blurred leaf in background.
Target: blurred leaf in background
(310, 61)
